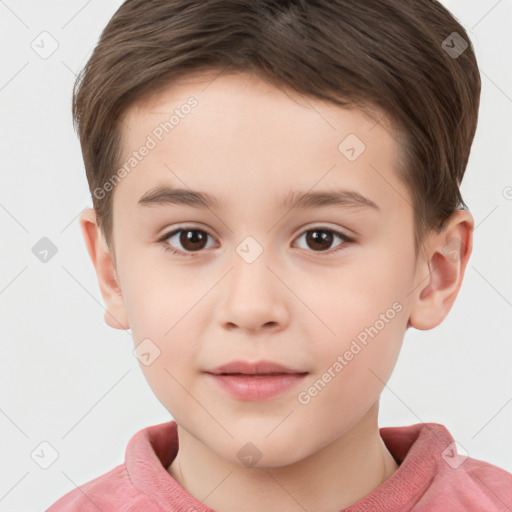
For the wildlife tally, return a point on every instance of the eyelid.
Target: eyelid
(327, 227)
(182, 227)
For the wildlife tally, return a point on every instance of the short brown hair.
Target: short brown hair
(392, 54)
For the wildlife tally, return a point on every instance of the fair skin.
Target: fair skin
(299, 303)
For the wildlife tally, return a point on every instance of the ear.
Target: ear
(115, 314)
(440, 271)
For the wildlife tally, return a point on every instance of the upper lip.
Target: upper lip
(255, 368)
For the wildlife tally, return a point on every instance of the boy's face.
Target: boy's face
(262, 280)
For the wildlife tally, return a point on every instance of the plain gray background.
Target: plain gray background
(71, 381)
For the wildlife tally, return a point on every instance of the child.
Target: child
(316, 147)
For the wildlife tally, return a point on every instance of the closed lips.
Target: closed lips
(253, 368)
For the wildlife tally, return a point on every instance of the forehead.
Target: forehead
(247, 94)
(238, 132)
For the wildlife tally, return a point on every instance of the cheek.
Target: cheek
(353, 367)
(355, 295)
(364, 306)
(159, 313)
(157, 299)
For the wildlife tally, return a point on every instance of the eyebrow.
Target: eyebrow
(165, 195)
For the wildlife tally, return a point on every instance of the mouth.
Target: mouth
(256, 375)
(254, 369)
(255, 381)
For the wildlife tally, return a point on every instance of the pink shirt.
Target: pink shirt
(432, 476)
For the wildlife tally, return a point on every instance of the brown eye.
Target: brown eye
(320, 239)
(193, 239)
(188, 240)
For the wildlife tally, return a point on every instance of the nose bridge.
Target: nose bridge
(250, 275)
(253, 298)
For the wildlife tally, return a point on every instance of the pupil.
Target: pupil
(325, 239)
(192, 236)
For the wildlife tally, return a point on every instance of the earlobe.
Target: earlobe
(439, 275)
(115, 314)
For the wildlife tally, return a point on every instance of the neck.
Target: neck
(329, 480)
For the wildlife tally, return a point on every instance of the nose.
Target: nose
(253, 297)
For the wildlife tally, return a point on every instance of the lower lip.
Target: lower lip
(254, 388)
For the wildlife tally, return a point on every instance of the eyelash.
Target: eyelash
(168, 248)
